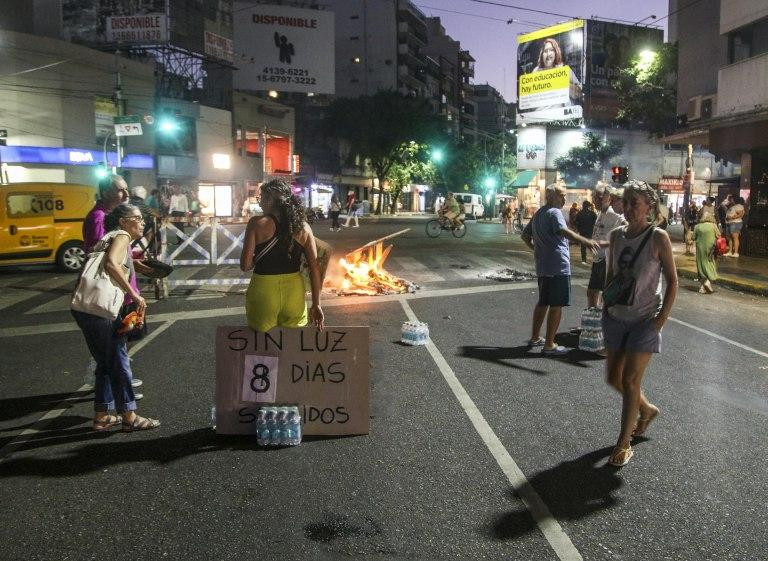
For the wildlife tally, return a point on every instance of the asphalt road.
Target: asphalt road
(479, 448)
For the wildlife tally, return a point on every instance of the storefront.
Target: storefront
(69, 165)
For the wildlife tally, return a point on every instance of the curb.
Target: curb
(730, 282)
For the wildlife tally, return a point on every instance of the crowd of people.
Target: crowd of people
(632, 255)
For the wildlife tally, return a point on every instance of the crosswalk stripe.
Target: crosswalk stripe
(59, 304)
(486, 263)
(414, 270)
(11, 296)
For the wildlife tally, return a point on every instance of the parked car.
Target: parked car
(473, 204)
(43, 223)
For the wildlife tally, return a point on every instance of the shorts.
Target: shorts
(555, 291)
(734, 227)
(636, 336)
(597, 276)
(275, 301)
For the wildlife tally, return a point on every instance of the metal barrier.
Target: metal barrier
(211, 256)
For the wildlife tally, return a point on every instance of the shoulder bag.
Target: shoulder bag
(621, 289)
(96, 292)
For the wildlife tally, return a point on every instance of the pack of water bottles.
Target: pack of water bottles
(278, 426)
(414, 333)
(591, 336)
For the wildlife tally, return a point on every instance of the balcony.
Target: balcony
(409, 78)
(409, 58)
(410, 34)
(743, 86)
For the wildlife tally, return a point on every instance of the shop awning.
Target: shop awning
(523, 178)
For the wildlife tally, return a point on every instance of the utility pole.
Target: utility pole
(119, 103)
(687, 187)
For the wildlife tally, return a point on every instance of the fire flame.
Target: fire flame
(364, 273)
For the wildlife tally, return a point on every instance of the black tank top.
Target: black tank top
(277, 261)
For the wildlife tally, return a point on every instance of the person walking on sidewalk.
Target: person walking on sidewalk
(734, 219)
(639, 254)
(585, 226)
(334, 209)
(705, 234)
(113, 390)
(506, 216)
(547, 234)
(273, 247)
(607, 221)
(722, 211)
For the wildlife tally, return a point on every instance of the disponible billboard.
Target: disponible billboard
(610, 47)
(550, 73)
(286, 49)
(100, 21)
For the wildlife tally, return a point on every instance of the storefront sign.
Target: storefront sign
(325, 373)
(70, 156)
(286, 49)
(671, 184)
(146, 28)
(550, 69)
(219, 47)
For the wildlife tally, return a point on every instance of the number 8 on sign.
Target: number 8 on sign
(259, 379)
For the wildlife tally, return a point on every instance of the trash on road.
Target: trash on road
(509, 275)
(414, 333)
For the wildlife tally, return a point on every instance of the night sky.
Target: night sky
(493, 43)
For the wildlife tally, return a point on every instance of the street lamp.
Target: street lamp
(645, 59)
(168, 125)
(436, 155)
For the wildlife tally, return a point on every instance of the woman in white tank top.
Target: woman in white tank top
(632, 328)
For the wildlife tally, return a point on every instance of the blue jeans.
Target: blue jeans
(112, 389)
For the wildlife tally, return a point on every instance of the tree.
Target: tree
(468, 164)
(647, 92)
(377, 127)
(414, 164)
(584, 165)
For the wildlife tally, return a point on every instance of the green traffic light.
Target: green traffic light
(489, 182)
(437, 155)
(168, 126)
(101, 172)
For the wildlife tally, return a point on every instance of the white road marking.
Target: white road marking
(38, 425)
(549, 526)
(12, 296)
(414, 270)
(486, 263)
(720, 337)
(59, 304)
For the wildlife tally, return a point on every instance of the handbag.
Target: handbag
(721, 246)
(621, 288)
(132, 324)
(96, 292)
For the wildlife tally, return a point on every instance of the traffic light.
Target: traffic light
(620, 174)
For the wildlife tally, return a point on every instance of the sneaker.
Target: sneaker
(555, 351)
(138, 396)
(357, 226)
(735, 255)
(584, 263)
(136, 383)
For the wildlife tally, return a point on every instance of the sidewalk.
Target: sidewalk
(746, 274)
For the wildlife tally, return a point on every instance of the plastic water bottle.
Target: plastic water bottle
(89, 378)
(407, 333)
(423, 337)
(213, 417)
(292, 430)
(265, 423)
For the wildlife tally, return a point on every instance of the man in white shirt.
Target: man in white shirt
(179, 208)
(607, 220)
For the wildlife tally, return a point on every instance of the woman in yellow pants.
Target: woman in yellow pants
(273, 246)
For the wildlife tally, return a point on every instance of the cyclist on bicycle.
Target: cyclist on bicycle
(451, 211)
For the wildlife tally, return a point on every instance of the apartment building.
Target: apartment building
(491, 109)
(722, 99)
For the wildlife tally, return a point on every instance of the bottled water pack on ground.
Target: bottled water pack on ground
(414, 333)
(591, 336)
(278, 426)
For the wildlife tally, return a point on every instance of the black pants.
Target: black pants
(335, 218)
(583, 252)
(178, 223)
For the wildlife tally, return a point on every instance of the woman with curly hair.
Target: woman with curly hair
(632, 324)
(273, 246)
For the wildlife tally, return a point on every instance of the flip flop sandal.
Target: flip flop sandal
(642, 424)
(557, 351)
(101, 425)
(620, 456)
(140, 423)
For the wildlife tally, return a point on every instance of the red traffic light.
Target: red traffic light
(615, 170)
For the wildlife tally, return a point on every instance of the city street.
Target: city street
(479, 448)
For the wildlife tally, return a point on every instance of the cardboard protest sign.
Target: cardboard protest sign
(325, 373)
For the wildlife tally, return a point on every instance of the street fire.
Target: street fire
(364, 273)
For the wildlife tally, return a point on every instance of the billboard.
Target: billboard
(285, 49)
(218, 47)
(609, 48)
(532, 148)
(100, 21)
(550, 73)
(141, 29)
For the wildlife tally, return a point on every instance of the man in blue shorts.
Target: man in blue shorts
(547, 235)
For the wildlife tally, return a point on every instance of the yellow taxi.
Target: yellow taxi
(43, 223)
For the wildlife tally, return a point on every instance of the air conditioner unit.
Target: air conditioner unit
(708, 106)
(694, 108)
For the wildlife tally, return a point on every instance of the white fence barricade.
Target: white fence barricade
(171, 255)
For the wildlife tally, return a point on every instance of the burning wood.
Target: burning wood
(364, 273)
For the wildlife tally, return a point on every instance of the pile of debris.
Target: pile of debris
(510, 275)
(364, 273)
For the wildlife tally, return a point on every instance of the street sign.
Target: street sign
(128, 125)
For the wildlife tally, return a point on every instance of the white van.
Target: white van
(473, 204)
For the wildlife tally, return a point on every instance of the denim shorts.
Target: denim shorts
(734, 227)
(555, 291)
(637, 336)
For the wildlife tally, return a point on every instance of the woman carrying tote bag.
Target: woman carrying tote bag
(93, 306)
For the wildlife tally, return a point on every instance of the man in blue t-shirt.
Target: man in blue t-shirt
(547, 235)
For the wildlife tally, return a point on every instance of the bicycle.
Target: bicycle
(437, 225)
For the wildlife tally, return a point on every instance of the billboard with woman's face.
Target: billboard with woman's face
(550, 73)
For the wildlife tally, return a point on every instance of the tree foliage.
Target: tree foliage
(378, 127)
(469, 164)
(584, 165)
(414, 165)
(647, 91)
